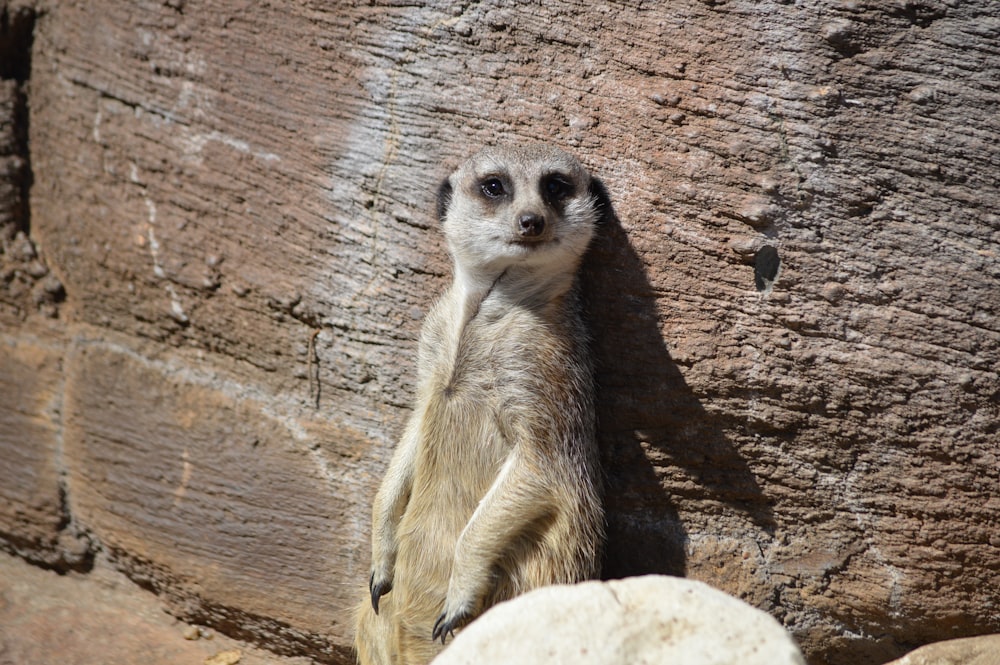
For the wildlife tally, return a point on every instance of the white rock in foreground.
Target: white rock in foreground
(651, 619)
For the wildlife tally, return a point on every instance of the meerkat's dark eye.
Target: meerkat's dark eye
(493, 188)
(556, 187)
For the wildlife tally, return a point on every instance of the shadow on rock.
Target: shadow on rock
(653, 431)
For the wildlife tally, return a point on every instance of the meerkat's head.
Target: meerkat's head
(533, 207)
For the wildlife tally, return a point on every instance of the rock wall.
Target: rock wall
(218, 244)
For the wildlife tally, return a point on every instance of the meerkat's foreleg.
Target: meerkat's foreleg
(514, 502)
(390, 502)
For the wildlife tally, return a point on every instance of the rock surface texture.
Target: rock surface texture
(102, 619)
(640, 620)
(969, 651)
(217, 242)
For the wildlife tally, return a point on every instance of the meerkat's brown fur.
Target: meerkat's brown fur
(494, 487)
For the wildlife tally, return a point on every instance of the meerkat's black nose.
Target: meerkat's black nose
(530, 225)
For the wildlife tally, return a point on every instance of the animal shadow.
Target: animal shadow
(653, 431)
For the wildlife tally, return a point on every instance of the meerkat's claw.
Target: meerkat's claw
(438, 629)
(378, 590)
(443, 628)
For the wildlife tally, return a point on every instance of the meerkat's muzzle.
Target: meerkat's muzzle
(530, 226)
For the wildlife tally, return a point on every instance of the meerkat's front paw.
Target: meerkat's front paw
(463, 602)
(447, 624)
(379, 586)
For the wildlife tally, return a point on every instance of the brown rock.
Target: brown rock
(78, 619)
(247, 194)
(224, 501)
(32, 515)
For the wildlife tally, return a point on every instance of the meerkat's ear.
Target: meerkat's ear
(602, 201)
(443, 199)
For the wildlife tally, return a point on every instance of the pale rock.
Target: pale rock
(983, 650)
(649, 619)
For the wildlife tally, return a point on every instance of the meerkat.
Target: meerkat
(494, 487)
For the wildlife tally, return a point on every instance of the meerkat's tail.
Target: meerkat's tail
(372, 634)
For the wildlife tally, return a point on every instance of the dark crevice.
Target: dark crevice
(21, 121)
(16, 36)
(765, 267)
(27, 284)
(17, 29)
